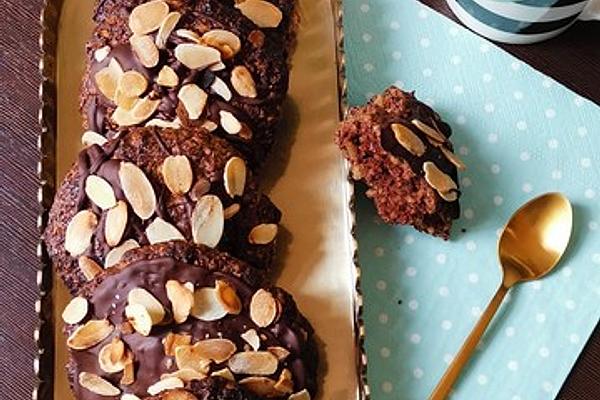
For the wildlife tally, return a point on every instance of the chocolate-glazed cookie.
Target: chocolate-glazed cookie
(212, 388)
(152, 185)
(400, 148)
(214, 63)
(166, 316)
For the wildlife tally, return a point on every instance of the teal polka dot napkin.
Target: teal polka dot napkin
(521, 134)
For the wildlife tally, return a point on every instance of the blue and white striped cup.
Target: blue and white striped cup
(522, 21)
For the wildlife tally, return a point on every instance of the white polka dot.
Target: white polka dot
(364, 8)
(552, 143)
(510, 331)
(415, 338)
(487, 77)
(570, 304)
(492, 138)
(455, 60)
(515, 65)
(381, 285)
(592, 225)
(387, 387)
(383, 318)
(385, 352)
(463, 151)
(476, 311)
(484, 47)
(369, 67)
(453, 31)
(590, 193)
(482, 379)
(582, 131)
(418, 373)
(574, 338)
(525, 156)
(466, 182)
(458, 89)
(473, 278)
(527, 187)
(522, 125)
(489, 108)
(544, 352)
(512, 365)
(518, 95)
(495, 168)
(427, 72)
(546, 83)
(395, 25)
(446, 325)
(550, 113)
(585, 162)
(567, 271)
(440, 258)
(413, 304)
(396, 55)
(425, 42)
(596, 258)
(444, 291)
(469, 213)
(461, 120)
(515, 397)
(366, 37)
(409, 239)
(578, 100)
(411, 271)
(379, 251)
(423, 13)
(556, 174)
(540, 317)
(471, 245)
(547, 386)
(536, 285)
(498, 200)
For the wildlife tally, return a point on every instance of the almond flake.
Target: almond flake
(139, 317)
(438, 179)
(224, 373)
(132, 84)
(231, 211)
(177, 174)
(263, 234)
(160, 231)
(228, 43)
(408, 140)
(140, 112)
(97, 385)
(174, 340)
(279, 352)
(453, 158)
(89, 268)
(429, 131)
(123, 101)
(285, 383)
(167, 77)
(115, 224)
(261, 386)
(107, 79)
(301, 395)
(220, 87)
(262, 13)
(201, 187)
(114, 256)
(189, 35)
(209, 126)
(242, 82)
(229, 122)
(137, 189)
(193, 99)
(253, 363)
(75, 311)
(263, 308)
(189, 357)
(217, 350)
(101, 53)
(252, 338)
(166, 27)
(128, 377)
(129, 396)
(99, 191)
(145, 50)
(165, 384)
(186, 375)
(228, 298)
(78, 236)
(161, 123)
(106, 359)
(449, 196)
(235, 176)
(147, 17)
(182, 300)
(144, 298)
(89, 334)
(206, 305)
(90, 138)
(208, 221)
(196, 56)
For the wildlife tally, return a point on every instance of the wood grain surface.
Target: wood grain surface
(573, 59)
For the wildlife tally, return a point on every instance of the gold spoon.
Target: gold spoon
(530, 246)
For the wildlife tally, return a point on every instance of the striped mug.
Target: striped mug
(522, 21)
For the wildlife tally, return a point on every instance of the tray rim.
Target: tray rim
(44, 333)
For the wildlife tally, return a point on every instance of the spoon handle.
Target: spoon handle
(444, 386)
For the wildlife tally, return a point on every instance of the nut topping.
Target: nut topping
(186, 375)
(429, 131)
(141, 110)
(165, 384)
(75, 311)
(107, 79)
(78, 236)
(101, 53)
(438, 180)
(279, 352)
(301, 395)
(160, 123)
(189, 35)
(453, 158)
(253, 363)
(231, 211)
(90, 334)
(261, 386)
(137, 189)
(200, 188)
(252, 338)
(190, 357)
(408, 140)
(166, 27)
(193, 99)
(285, 383)
(112, 357)
(208, 221)
(263, 234)
(147, 17)
(167, 77)
(160, 231)
(182, 300)
(228, 298)
(174, 340)
(145, 50)
(128, 377)
(139, 317)
(217, 350)
(97, 385)
(144, 298)
(90, 137)
(115, 224)
(99, 191)
(242, 82)
(229, 122)
(132, 84)
(206, 305)
(262, 13)
(197, 56)
(235, 177)
(220, 87)
(115, 255)
(263, 308)
(177, 174)
(224, 373)
(226, 42)
(89, 268)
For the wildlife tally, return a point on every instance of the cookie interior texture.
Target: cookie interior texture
(400, 148)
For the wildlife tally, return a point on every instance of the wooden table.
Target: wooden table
(573, 59)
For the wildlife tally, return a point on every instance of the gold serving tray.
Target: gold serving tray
(305, 176)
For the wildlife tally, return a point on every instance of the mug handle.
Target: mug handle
(591, 11)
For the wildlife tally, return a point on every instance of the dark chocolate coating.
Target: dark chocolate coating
(208, 389)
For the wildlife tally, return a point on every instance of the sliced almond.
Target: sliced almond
(200, 188)
(145, 50)
(114, 256)
(285, 383)
(139, 317)
(449, 196)
(166, 27)
(429, 131)
(90, 138)
(97, 385)
(140, 112)
(262, 13)
(165, 384)
(108, 362)
(132, 84)
(208, 221)
(117, 350)
(209, 126)
(453, 158)
(235, 176)
(167, 77)
(193, 99)
(115, 224)
(128, 377)
(228, 43)
(107, 79)
(144, 298)
(160, 231)
(253, 363)
(129, 396)
(229, 122)
(197, 56)
(137, 189)
(88, 267)
(252, 338)
(186, 375)
(90, 334)
(217, 350)
(101, 53)
(188, 357)
(263, 308)
(242, 82)
(228, 297)
(174, 340)
(261, 386)
(231, 211)
(206, 305)
(75, 311)
(408, 140)
(123, 101)
(438, 179)
(301, 395)
(147, 17)
(279, 352)
(189, 35)
(78, 236)
(161, 123)
(220, 87)
(99, 191)
(263, 234)
(182, 300)
(220, 66)
(224, 373)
